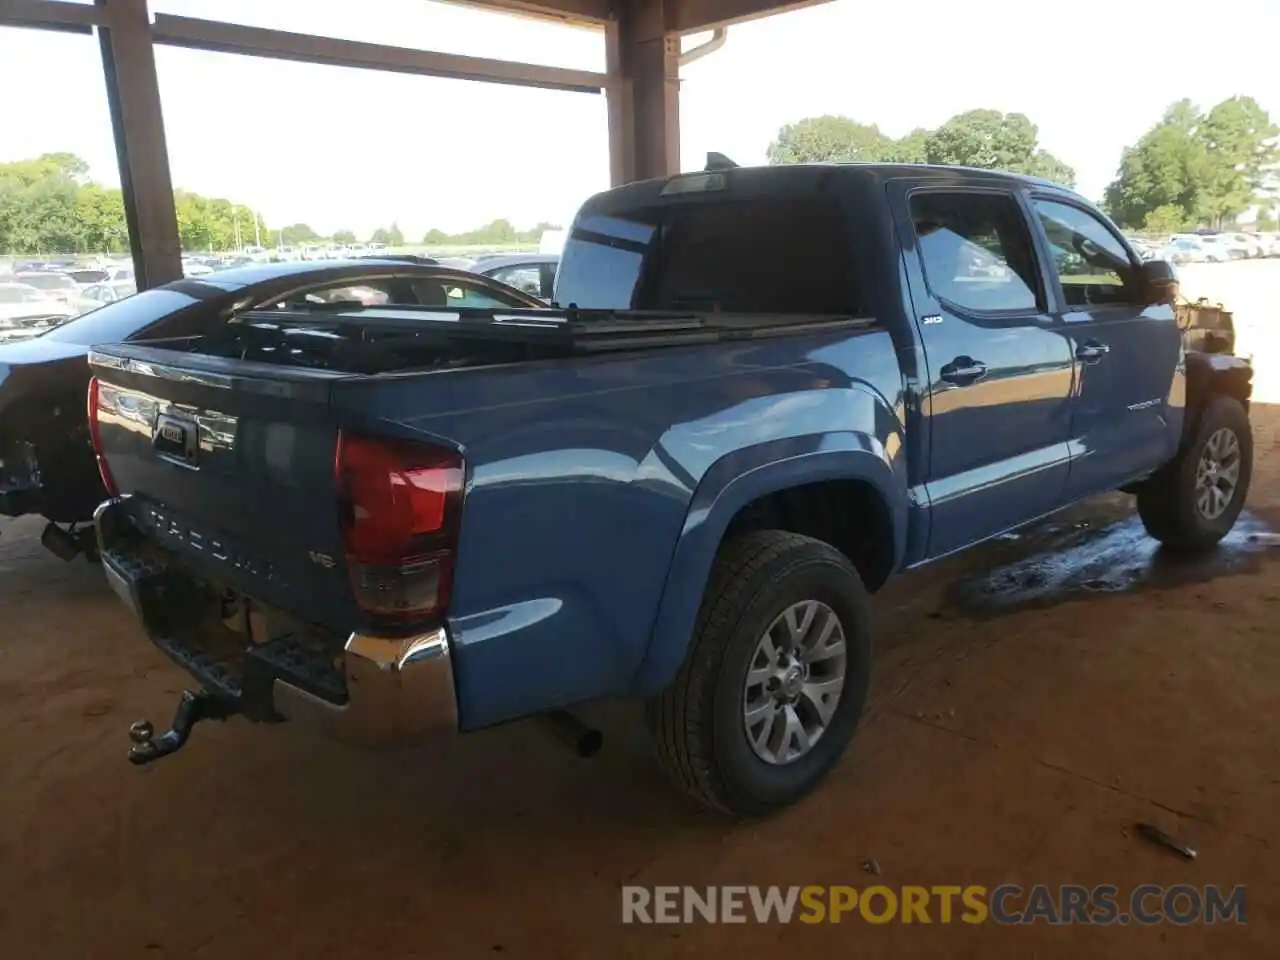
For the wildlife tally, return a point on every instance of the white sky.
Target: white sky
(356, 149)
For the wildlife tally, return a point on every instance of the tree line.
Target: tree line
(50, 205)
(978, 138)
(1198, 168)
(1193, 168)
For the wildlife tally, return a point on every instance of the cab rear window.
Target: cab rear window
(740, 255)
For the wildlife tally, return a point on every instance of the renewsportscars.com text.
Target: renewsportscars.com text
(1104, 904)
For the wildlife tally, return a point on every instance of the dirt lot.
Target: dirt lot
(999, 746)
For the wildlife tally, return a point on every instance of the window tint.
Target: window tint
(976, 251)
(122, 319)
(1093, 266)
(744, 255)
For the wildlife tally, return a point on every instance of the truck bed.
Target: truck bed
(384, 340)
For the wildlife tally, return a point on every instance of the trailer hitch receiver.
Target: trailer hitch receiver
(192, 708)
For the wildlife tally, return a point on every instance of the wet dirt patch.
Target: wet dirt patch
(1087, 557)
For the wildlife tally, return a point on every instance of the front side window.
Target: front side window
(1092, 264)
(527, 278)
(461, 295)
(976, 251)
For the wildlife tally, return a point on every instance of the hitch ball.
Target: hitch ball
(141, 732)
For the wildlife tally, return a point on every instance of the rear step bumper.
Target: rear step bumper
(376, 690)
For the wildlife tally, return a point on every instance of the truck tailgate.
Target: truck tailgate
(230, 466)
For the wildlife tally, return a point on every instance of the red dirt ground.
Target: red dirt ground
(1019, 749)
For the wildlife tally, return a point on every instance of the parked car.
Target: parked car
(59, 286)
(533, 273)
(46, 464)
(104, 293)
(1183, 250)
(782, 386)
(1219, 247)
(87, 275)
(1250, 243)
(1208, 249)
(26, 310)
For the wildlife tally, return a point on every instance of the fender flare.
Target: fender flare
(731, 483)
(1209, 374)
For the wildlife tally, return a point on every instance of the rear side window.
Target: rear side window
(745, 255)
(976, 251)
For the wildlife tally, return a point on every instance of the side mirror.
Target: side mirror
(1159, 281)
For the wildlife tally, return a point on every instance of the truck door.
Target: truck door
(1127, 352)
(998, 396)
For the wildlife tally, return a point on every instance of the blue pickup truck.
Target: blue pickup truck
(758, 395)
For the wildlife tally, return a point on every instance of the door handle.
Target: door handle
(963, 370)
(1091, 351)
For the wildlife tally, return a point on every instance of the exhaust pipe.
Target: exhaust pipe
(583, 740)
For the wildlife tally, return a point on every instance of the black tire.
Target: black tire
(1167, 501)
(697, 721)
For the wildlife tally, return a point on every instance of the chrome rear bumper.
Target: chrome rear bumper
(398, 689)
(379, 689)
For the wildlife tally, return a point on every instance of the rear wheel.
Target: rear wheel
(1194, 501)
(773, 684)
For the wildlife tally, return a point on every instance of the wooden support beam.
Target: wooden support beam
(50, 15)
(692, 16)
(643, 54)
(133, 97)
(218, 37)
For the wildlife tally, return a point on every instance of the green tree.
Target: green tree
(828, 138)
(1240, 140)
(102, 224)
(344, 236)
(392, 237)
(1210, 167)
(911, 148)
(1170, 218)
(995, 141)
(434, 236)
(1167, 168)
(297, 233)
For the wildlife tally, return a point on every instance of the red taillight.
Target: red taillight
(95, 436)
(399, 505)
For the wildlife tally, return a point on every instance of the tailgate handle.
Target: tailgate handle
(176, 439)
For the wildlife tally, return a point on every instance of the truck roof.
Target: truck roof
(763, 178)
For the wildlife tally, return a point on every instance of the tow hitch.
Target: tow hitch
(192, 708)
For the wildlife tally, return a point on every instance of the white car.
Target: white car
(1251, 243)
(1212, 247)
(26, 311)
(104, 293)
